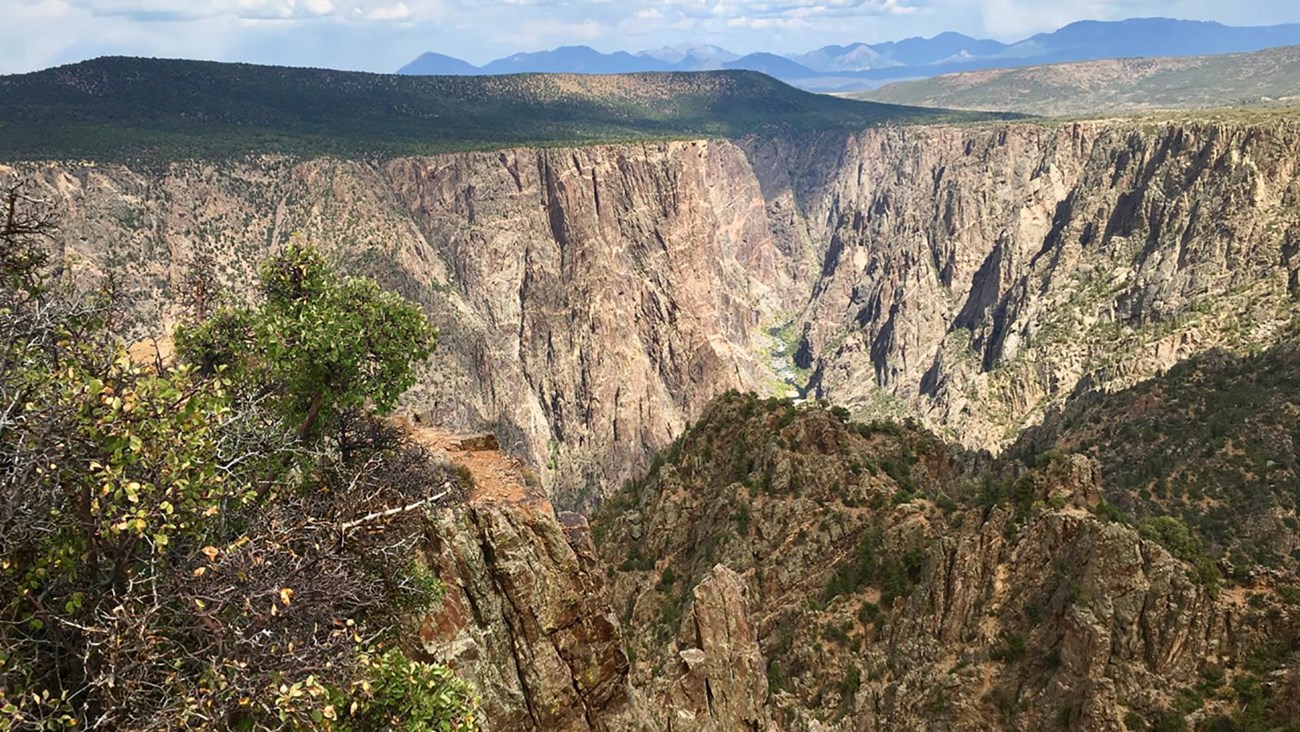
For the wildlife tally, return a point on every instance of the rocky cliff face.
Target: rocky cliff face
(589, 300)
(782, 568)
(592, 300)
(981, 275)
(1211, 441)
(524, 616)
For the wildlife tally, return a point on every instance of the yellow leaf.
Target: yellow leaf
(286, 595)
(211, 552)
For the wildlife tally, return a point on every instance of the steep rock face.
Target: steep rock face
(981, 275)
(618, 289)
(592, 300)
(724, 683)
(1211, 441)
(589, 300)
(524, 615)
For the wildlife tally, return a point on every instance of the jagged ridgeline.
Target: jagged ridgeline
(114, 108)
(785, 567)
(1211, 443)
(770, 565)
(593, 298)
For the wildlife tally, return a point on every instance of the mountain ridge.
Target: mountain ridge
(816, 567)
(971, 276)
(864, 65)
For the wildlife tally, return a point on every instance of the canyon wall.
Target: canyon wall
(592, 300)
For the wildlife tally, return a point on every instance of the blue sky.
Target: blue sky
(380, 35)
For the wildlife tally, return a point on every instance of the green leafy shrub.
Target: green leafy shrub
(320, 344)
(668, 579)
(1011, 650)
(1174, 535)
(895, 571)
(397, 693)
(851, 682)
(742, 517)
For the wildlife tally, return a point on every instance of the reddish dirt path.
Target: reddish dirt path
(498, 478)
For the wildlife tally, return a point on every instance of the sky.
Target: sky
(382, 35)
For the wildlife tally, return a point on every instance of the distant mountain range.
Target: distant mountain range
(863, 66)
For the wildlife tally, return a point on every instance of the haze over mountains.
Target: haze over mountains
(863, 65)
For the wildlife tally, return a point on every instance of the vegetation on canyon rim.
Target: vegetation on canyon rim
(130, 108)
(213, 542)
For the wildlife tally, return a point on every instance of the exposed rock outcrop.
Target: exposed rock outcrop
(945, 596)
(724, 684)
(524, 616)
(823, 575)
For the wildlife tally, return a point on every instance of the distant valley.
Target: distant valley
(1263, 78)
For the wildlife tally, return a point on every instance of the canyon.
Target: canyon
(609, 313)
(592, 300)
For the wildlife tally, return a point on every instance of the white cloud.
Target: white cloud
(390, 13)
(194, 10)
(765, 23)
